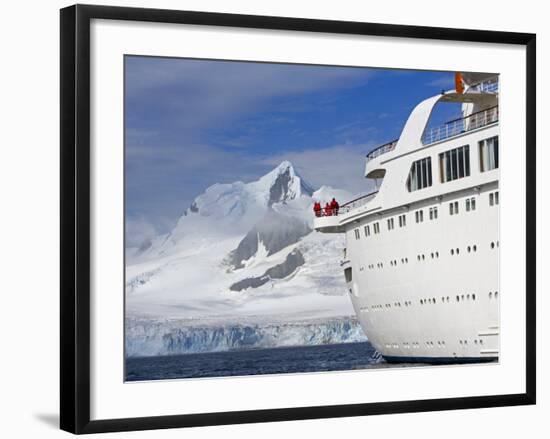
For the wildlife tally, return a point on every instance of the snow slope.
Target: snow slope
(234, 234)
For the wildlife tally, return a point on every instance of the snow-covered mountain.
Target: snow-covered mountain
(241, 252)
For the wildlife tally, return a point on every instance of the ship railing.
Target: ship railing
(488, 86)
(459, 126)
(382, 149)
(347, 207)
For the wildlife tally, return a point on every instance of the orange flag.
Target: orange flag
(459, 83)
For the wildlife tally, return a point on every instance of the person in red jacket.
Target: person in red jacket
(317, 208)
(334, 206)
(328, 210)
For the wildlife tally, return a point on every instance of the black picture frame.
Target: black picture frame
(75, 217)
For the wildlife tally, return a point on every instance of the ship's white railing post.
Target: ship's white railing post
(459, 126)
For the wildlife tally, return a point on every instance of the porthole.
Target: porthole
(437, 254)
(469, 249)
(452, 252)
(422, 257)
(432, 255)
(475, 248)
(457, 298)
(473, 296)
(492, 245)
(418, 257)
(457, 251)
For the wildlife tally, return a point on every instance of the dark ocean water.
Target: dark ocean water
(345, 356)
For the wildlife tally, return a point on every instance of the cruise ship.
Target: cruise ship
(421, 262)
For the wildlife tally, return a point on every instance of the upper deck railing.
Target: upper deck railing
(382, 149)
(349, 206)
(488, 86)
(461, 125)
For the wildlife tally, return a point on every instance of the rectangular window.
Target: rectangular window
(420, 175)
(488, 154)
(455, 163)
(496, 197)
(390, 224)
(376, 228)
(433, 213)
(467, 204)
(402, 221)
(367, 231)
(453, 208)
(357, 235)
(419, 215)
(491, 199)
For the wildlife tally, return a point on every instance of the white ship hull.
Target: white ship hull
(418, 302)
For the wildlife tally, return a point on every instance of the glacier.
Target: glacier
(241, 251)
(146, 337)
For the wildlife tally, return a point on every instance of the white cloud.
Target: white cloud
(138, 231)
(201, 93)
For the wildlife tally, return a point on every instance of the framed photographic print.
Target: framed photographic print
(305, 218)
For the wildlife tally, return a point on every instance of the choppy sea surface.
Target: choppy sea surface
(335, 357)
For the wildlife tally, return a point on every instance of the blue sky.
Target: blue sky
(193, 123)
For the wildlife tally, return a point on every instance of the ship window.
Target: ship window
(453, 208)
(493, 198)
(419, 214)
(420, 175)
(496, 197)
(367, 231)
(357, 234)
(376, 227)
(347, 274)
(470, 204)
(402, 220)
(455, 164)
(390, 224)
(433, 213)
(488, 154)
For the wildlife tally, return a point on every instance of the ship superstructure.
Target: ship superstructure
(422, 251)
